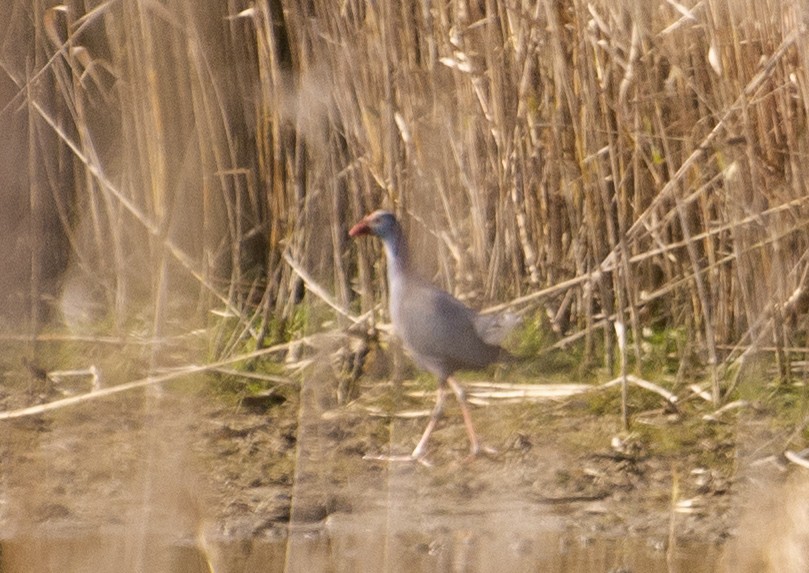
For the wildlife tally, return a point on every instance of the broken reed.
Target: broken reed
(651, 155)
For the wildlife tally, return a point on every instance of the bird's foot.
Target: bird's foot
(478, 450)
(422, 459)
(489, 451)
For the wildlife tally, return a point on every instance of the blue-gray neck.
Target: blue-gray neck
(398, 268)
(396, 250)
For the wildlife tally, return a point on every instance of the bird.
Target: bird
(440, 333)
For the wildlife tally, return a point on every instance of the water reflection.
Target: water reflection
(348, 543)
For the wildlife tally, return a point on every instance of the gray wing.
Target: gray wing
(441, 332)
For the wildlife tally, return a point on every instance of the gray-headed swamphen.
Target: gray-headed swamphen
(440, 333)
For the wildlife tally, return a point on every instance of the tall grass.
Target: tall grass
(649, 158)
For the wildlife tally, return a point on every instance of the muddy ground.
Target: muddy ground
(185, 458)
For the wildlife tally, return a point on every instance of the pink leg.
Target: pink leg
(460, 393)
(438, 410)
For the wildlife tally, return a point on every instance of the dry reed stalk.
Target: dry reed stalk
(147, 382)
(596, 161)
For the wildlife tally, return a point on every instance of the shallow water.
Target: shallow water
(350, 543)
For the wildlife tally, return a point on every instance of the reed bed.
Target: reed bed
(650, 158)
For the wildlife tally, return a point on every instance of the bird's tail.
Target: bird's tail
(493, 328)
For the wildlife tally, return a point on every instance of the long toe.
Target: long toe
(488, 451)
(480, 450)
(391, 458)
(420, 455)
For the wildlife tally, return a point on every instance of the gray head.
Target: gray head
(381, 223)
